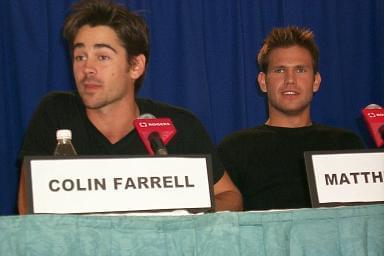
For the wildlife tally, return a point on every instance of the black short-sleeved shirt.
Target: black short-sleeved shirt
(65, 110)
(267, 163)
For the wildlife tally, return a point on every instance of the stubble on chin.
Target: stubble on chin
(291, 109)
(90, 101)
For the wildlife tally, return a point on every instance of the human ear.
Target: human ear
(261, 81)
(316, 83)
(138, 66)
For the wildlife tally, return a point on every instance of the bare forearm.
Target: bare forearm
(227, 196)
(229, 201)
(22, 197)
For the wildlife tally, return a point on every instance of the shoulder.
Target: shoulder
(244, 136)
(333, 131)
(339, 135)
(164, 110)
(59, 105)
(59, 95)
(59, 98)
(247, 133)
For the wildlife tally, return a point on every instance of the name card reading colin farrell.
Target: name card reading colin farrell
(349, 177)
(119, 184)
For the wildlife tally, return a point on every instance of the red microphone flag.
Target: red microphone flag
(374, 118)
(146, 126)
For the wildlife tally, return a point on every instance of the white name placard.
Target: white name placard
(113, 184)
(337, 178)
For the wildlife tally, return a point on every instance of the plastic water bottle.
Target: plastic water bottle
(64, 145)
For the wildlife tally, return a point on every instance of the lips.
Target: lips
(90, 86)
(91, 83)
(290, 93)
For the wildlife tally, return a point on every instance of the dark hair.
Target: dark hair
(129, 27)
(286, 37)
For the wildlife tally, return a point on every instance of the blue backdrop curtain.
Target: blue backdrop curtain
(202, 58)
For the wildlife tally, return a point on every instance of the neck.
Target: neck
(114, 123)
(289, 121)
(288, 125)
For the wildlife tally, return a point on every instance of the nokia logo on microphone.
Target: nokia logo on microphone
(147, 124)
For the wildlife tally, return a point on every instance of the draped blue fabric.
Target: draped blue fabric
(339, 231)
(203, 58)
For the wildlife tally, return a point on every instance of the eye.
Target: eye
(103, 58)
(301, 70)
(279, 70)
(78, 58)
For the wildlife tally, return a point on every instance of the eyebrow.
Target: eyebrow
(295, 66)
(97, 46)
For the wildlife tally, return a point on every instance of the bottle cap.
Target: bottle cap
(64, 134)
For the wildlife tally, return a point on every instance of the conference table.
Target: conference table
(348, 230)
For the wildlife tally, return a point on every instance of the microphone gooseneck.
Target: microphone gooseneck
(155, 133)
(157, 144)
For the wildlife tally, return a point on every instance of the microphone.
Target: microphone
(374, 117)
(155, 133)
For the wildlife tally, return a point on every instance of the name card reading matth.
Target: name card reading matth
(345, 177)
(112, 184)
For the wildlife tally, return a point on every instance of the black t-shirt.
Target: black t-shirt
(65, 110)
(267, 163)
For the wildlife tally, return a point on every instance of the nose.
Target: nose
(290, 76)
(89, 67)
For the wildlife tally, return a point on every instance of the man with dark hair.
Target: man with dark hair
(110, 49)
(266, 162)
